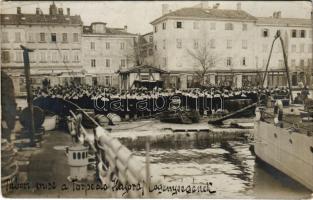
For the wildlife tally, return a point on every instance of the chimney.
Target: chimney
(204, 4)
(239, 6)
(125, 28)
(60, 11)
(274, 14)
(53, 9)
(68, 11)
(216, 6)
(165, 9)
(18, 10)
(37, 11)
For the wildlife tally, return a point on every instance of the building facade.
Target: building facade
(228, 46)
(55, 39)
(145, 43)
(105, 51)
(297, 37)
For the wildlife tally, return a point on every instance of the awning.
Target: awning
(142, 69)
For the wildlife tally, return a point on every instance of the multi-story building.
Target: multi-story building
(55, 39)
(297, 38)
(105, 51)
(230, 47)
(145, 43)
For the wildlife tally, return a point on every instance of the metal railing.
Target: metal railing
(116, 164)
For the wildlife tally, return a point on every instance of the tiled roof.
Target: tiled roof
(150, 33)
(142, 40)
(284, 21)
(32, 19)
(209, 13)
(109, 31)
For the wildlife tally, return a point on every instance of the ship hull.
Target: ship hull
(288, 152)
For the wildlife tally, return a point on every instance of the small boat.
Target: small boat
(287, 146)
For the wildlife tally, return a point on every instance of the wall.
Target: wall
(48, 48)
(115, 54)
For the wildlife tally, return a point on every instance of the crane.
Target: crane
(278, 36)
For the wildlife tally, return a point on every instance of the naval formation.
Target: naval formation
(142, 102)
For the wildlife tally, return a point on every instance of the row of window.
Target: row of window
(244, 62)
(293, 33)
(228, 62)
(146, 52)
(244, 45)
(212, 44)
(107, 45)
(230, 26)
(302, 62)
(42, 37)
(196, 25)
(303, 48)
(292, 63)
(40, 56)
(93, 63)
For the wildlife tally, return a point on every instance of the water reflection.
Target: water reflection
(230, 166)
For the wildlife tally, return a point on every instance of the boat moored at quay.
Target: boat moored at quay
(287, 145)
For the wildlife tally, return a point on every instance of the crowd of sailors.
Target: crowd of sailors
(143, 102)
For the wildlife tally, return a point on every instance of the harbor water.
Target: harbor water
(230, 167)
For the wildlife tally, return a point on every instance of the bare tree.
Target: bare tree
(205, 59)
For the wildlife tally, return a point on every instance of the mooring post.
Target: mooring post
(29, 93)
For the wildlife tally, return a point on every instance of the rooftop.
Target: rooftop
(108, 31)
(40, 19)
(209, 13)
(284, 21)
(142, 40)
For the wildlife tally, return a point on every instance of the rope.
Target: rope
(81, 109)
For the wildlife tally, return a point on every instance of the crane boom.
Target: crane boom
(285, 63)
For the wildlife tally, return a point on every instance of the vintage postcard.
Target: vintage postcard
(157, 99)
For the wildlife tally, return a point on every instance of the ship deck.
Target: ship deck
(291, 120)
(45, 167)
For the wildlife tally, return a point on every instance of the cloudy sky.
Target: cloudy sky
(138, 15)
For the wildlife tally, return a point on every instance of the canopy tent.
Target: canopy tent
(140, 76)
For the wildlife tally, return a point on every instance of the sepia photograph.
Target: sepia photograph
(157, 99)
